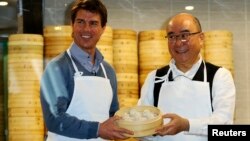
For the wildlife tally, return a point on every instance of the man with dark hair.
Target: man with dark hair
(79, 88)
(190, 92)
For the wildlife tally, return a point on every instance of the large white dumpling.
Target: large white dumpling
(135, 115)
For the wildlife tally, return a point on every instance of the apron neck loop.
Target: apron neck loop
(205, 71)
(170, 75)
(77, 73)
(104, 71)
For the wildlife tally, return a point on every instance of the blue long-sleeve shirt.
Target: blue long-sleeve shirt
(57, 86)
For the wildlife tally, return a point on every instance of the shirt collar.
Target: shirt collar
(85, 59)
(189, 74)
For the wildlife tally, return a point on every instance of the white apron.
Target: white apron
(91, 101)
(187, 98)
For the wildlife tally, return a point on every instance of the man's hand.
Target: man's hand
(109, 130)
(176, 125)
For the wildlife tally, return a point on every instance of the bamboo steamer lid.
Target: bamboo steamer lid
(60, 40)
(60, 30)
(25, 39)
(141, 127)
(57, 39)
(152, 35)
(124, 34)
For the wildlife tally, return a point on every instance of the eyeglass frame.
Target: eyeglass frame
(178, 36)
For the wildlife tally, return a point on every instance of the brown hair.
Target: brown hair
(94, 6)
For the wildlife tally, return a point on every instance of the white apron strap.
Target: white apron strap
(77, 73)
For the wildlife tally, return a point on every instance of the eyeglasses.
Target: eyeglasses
(185, 36)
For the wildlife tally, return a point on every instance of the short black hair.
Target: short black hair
(94, 6)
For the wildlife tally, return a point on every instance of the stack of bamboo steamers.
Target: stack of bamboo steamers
(126, 65)
(218, 48)
(57, 39)
(25, 67)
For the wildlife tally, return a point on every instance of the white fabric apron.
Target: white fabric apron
(91, 101)
(187, 98)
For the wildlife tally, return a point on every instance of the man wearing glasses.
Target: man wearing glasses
(190, 92)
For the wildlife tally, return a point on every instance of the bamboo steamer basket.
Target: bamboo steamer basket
(140, 128)
(25, 67)
(25, 39)
(17, 49)
(124, 34)
(133, 85)
(57, 31)
(25, 136)
(25, 112)
(219, 34)
(23, 100)
(20, 123)
(126, 65)
(152, 41)
(152, 35)
(218, 48)
(57, 39)
(126, 68)
(105, 44)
